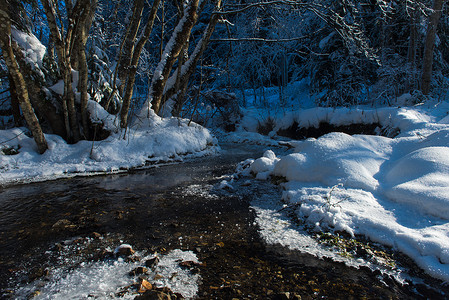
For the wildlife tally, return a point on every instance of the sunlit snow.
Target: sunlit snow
(394, 191)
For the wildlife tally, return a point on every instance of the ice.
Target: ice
(104, 279)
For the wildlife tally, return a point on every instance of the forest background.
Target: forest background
(62, 59)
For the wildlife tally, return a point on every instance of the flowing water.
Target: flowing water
(52, 229)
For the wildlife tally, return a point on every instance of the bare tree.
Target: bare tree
(128, 45)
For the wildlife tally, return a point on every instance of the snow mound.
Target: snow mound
(421, 179)
(393, 191)
(264, 166)
(335, 158)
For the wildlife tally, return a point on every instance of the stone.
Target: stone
(96, 235)
(124, 250)
(34, 294)
(282, 296)
(144, 286)
(103, 255)
(63, 224)
(138, 271)
(152, 263)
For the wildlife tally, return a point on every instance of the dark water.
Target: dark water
(171, 207)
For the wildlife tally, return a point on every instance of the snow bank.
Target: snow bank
(393, 191)
(159, 140)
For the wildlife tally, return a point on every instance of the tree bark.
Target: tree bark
(63, 61)
(19, 82)
(129, 43)
(181, 79)
(131, 78)
(172, 49)
(81, 39)
(426, 76)
(71, 52)
(15, 106)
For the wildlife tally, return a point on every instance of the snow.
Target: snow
(176, 278)
(277, 228)
(58, 87)
(394, 191)
(263, 166)
(33, 50)
(152, 142)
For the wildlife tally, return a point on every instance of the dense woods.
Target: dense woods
(63, 60)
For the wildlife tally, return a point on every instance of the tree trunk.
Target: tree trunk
(15, 106)
(19, 82)
(131, 78)
(81, 40)
(429, 46)
(129, 42)
(72, 47)
(34, 83)
(173, 48)
(411, 54)
(177, 84)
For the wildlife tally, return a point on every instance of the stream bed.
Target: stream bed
(57, 240)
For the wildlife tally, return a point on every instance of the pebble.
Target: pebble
(124, 250)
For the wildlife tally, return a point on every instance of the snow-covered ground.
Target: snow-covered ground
(154, 140)
(394, 191)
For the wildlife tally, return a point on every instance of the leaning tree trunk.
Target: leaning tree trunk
(179, 80)
(18, 81)
(42, 107)
(426, 76)
(173, 48)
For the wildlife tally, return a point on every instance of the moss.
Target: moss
(356, 248)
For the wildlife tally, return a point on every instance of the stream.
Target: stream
(58, 238)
